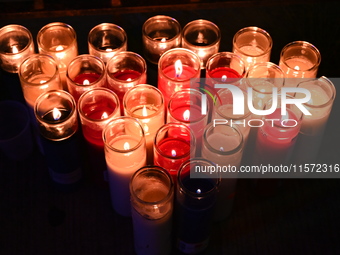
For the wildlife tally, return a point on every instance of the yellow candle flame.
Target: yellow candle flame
(59, 48)
(178, 68)
(56, 114)
(224, 78)
(104, 116)
(297, 68)
(15, 49)
(186, 115)
(144, 111)
(173, 153)
(198, 191)
(126, 146)
(86, 82)
(163, 40)
(128, 79)
(108, 50)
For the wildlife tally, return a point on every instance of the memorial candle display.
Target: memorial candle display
(174, 144)
(195, 204)
(313, 126)
(105, 40)
(160, 34)
(125, 153)
(152, 193)
(175, 69)
(125, 70)
(146, 103)
(185, 106)
(16, 44)
(96, 108)
(38, 74)
(253, 45)
(85, 72)
(299, 59)
(58, 40)
(56, 113)
(202, 37)
(223, 145)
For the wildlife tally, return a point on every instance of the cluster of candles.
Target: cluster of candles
(143, 141)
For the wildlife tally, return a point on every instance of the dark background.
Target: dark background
(301, 218)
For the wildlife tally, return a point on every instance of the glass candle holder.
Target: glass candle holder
(299, 59)
(152, 193)
(56, 114)
(223, 145)
(58, 40)
(160, 34)
(146, 103)
(96, 108)
(175, 69)
(185, 106)
(125, 153)
(253, 45)
(313, 126)
(85, 72)
(125, 70)
(38, 74)
(105, 40)
(173, 145)
(202, 37)
(195, 202)
(16, 44)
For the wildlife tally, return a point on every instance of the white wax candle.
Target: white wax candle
(121, 167)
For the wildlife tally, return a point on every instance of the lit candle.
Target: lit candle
(146, 103)
(185, 107)
(299, 60)
(58, 40)
(55, 111)
(105, 40)
(253, 45)
(85, 72)
(174, 144)
(125, 70)
(195, 201)
(160, 34)
(96, 108)
(312, 127)
(38, 74)
(125, 153)
(223, 145)
(152, 193)
(202, 37)
(175, 70)
(16, 44)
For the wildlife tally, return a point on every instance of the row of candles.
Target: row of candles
(129, 125)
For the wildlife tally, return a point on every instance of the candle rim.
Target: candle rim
(12, 28)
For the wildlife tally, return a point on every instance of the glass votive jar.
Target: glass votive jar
(223, 145)
(146, 103)
(125, 70)
(105, 40)
(85, 72)
(96, 108)
(125, 153)
(56, 114)
(160, 34)
(38, 73)
(195, 205)
(202, 37)
(299, 59)
(16, 44)
(152, 194)
(58, 40)
(253, 45)
(176, 68)
(185, 106)
(173, 145)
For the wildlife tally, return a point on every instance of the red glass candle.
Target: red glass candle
(174, 144)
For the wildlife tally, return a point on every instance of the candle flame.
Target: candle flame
(178, 68)
(42, 81)
(15, 49)
(173, 153)
(144, 111)
(224, 78)
(198, 191)
(108, 50)
(126, 146)
(186, 115)
(104, 116)
(297, 68)
(56, 114)
(59, 48)
(128, 79)
(86, 82)
(163, 39)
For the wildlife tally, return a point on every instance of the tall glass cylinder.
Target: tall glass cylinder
(152, 193)
(125, 153)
